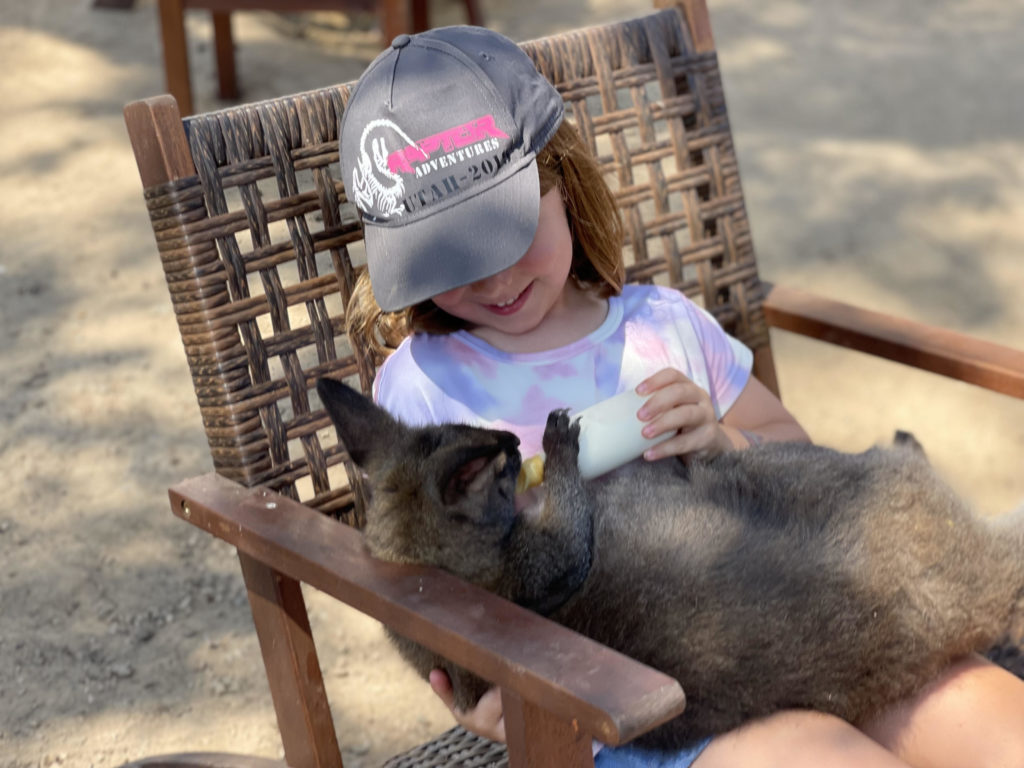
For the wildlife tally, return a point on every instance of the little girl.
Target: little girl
(491, 236)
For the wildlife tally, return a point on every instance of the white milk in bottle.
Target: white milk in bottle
(610, 436)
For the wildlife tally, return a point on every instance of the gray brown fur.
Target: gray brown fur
(782, 576)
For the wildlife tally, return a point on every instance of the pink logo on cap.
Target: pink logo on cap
(448, 140)
(464, 155)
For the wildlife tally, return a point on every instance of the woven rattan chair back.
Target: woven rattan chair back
(260, 244)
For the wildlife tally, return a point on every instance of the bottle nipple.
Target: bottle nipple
(531, 473)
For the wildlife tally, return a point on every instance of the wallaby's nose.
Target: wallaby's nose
(508, 441)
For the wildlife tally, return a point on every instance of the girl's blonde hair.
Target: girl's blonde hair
(565, 162)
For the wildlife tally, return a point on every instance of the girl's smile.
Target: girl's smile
(513, 305)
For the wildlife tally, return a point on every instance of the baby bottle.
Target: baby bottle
(610, 436)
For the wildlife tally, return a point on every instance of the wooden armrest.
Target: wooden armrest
(610, 696)
(938, 350)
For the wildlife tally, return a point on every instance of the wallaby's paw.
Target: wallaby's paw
(561, 436)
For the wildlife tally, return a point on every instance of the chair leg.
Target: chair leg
(293, 670)
(224, 46)
(392, 18)
(473, 15)
(420, 16)
(537, 738)
(172, 32)
(397, 16)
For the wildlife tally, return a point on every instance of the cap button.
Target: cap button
(401, 41)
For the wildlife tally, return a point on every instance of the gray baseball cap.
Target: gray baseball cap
(438, 151)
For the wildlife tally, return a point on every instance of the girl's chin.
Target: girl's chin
(508, 336)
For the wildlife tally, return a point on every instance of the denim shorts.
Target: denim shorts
(635, 757)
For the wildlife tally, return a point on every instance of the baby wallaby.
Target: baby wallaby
(781, 576)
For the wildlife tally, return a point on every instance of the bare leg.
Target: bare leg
(796, 739)
(973, 715)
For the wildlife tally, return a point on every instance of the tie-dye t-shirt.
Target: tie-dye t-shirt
(431, 379)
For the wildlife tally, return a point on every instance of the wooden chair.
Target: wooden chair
(259, 245)
(393, 16)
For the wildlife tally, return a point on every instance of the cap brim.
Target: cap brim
(477, 237)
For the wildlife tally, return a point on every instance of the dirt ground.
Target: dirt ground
(882, 149)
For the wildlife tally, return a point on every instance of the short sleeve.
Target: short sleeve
(664, 328)
(728, 360)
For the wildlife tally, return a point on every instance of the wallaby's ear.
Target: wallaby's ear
(907, 440)
(362, 425)
(473, 477)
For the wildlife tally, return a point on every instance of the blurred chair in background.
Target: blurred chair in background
(393, 16)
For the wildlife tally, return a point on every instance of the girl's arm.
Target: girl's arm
(676, 404)
(759, 416)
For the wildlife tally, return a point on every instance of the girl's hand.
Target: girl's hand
(678, 405)
(485, 719)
